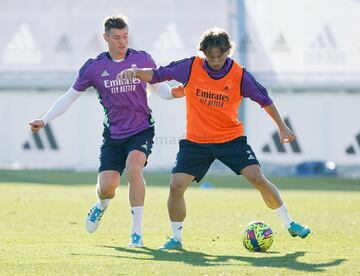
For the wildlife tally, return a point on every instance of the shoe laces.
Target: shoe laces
(95, 213)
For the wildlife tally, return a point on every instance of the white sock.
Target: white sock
(284, 215)
(103, 203)
(176, 227)
(137, 213)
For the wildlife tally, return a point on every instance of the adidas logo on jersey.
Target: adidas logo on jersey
(104, 74)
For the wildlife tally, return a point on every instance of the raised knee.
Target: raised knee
(106, 191)
(177, 187)
(106, 188)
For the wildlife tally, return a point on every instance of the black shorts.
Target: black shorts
(195, 159)
(113, 152)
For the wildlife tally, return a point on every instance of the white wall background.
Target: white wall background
(305, 45)
(326, 125)
(44, 42)
(77, 132)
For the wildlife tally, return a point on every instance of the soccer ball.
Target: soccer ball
(257, 236)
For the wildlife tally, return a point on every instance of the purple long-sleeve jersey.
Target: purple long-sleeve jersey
(126, 111)
(180, 71)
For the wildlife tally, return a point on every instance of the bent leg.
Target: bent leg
(273, 200)
(107, 183)
(179, 182)
(268, 190)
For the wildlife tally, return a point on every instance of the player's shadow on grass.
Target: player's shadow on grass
(201, 259)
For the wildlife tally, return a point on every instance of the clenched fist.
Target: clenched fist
(36, 125)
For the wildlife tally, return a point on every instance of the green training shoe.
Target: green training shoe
(297, 230)
(172, 244)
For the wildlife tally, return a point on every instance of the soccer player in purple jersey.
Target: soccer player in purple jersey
(128, 124)
(214, 85)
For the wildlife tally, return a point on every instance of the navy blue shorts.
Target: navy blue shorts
(113, 152)
(195, 159)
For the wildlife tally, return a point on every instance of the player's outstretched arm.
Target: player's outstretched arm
(286, 135)
(143, 74)
(58, 108)
(166, 92)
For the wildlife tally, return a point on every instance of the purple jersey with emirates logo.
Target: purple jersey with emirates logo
(126, 111)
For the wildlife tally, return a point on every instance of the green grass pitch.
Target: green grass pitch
(42, 228)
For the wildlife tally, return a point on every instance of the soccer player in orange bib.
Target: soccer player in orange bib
(214, 87)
